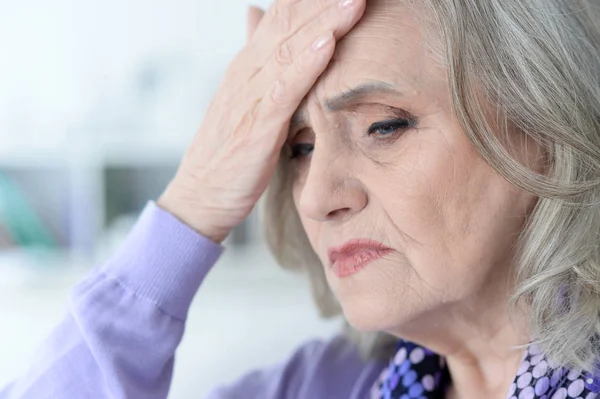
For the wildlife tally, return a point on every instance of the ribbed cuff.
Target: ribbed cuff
(164, 260)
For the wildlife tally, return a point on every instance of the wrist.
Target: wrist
(192, 216)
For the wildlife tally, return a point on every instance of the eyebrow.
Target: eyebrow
(348, 97)
(363, 90)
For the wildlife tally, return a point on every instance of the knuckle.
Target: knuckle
(248, 119)
(283, 19)
(283, 55)
(278, 93)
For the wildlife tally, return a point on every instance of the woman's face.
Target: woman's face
(391, 164)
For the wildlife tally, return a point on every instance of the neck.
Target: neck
(485, 365)
(478, 342)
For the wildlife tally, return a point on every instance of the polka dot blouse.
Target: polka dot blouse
(416, 372)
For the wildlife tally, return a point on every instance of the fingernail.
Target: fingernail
(347, 3)
(322, 41)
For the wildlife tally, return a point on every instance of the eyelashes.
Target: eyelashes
(382, 130)
(301, 150)
(388, 127)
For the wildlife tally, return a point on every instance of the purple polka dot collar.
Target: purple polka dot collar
(416, 372)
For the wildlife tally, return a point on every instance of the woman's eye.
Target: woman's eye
(301, 150)
(386, 128)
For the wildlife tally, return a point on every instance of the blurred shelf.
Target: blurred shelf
(133, 154)
(122, 153)
(26, 157)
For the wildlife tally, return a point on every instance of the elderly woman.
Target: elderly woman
(436, 168)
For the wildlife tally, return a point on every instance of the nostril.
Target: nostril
(338, 213)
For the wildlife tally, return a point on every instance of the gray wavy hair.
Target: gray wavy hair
(538, 63)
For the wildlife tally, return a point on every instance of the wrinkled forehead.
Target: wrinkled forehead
(392, 43)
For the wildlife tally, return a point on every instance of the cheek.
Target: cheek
(424, 177)
(456, 217)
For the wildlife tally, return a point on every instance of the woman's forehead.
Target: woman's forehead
(388, 45)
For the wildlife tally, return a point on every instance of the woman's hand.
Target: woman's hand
(233, 156)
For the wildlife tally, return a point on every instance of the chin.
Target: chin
(371, 313)
(373, 300)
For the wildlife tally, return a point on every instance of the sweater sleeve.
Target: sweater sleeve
(126, 319)
(318, 369)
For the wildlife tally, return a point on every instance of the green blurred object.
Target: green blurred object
(19, 219)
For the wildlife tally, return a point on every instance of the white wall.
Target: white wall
(62, 59)
(85, 84)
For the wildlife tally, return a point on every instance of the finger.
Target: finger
(255, 14)
(288, 91)
(282, 20)
(338, 19)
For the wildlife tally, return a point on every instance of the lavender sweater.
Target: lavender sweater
(127, 318)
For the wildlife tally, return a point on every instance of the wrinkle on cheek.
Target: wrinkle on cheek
(408, 166)
(444, 198)
(413, 201)
(450, 172)
(410, 289)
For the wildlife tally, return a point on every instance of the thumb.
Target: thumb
(255, 14)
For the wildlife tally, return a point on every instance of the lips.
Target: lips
(355, 255)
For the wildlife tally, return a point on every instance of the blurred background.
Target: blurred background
(98, 101)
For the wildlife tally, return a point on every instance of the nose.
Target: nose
(331, 191)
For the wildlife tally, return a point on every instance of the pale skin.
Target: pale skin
(414, 183)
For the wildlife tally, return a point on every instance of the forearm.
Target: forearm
(126, 319)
